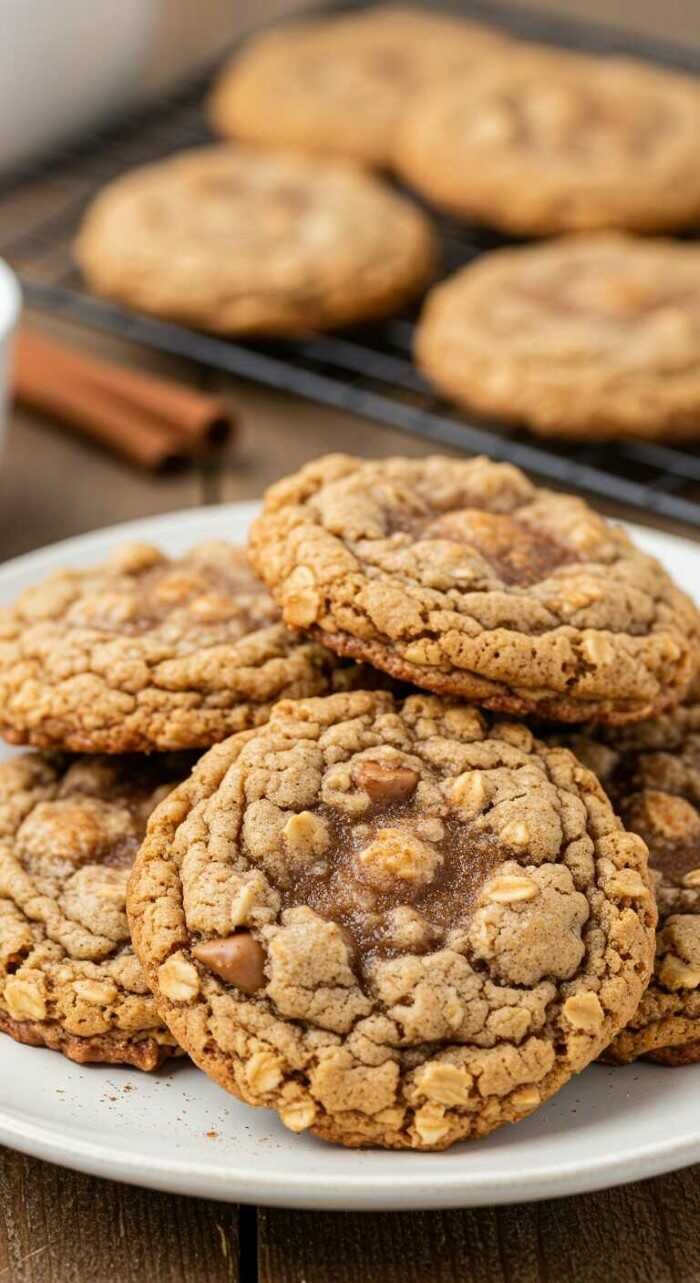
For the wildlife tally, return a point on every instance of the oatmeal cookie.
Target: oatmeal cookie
(651, 773)
(150, 652)
(249, 242)
(593, 337)
(396, 923)
(569, 145)
(69, 831)
(341, 85)
(463, 577)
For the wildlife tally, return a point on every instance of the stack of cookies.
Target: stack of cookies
(120, 674)
(390, 902)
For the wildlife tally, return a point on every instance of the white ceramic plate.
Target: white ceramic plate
(177, 1131)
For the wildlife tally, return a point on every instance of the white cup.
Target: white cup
(10, 304)
(65, 67)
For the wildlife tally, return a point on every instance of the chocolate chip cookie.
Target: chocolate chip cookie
(592, 337)
(150, 652)
(535, 147)
(243, 241)
(463, 577)
(396, 923)
(341, 85)
(652, 775)
(69, 831)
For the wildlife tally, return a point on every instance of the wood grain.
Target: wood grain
(643, 1233)
(61, 1227)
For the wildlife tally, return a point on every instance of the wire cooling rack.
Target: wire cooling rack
(368, 371)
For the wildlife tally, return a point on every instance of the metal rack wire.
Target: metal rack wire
(366, 371)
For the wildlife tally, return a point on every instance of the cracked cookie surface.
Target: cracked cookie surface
(69, 831)
(593, 337)
(396, 923)
(250, 242)
(150, 652)
(464, 578)
(342, 85)
(651, 773)
(537, 144)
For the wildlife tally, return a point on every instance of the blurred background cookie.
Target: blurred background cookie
(594, 337)
(548, 143)
(342, 84)
(244, 241)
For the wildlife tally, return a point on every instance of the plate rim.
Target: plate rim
(74, 543)
(406, 1189)
(351, 1192)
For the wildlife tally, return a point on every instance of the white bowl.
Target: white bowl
(10, 303)
(65, 66)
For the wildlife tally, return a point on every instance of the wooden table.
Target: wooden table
(59, 1227)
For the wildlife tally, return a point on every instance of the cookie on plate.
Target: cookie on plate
(463, 577)
(651, 773)
(341, 85)
(396, 923)
(69, 831)
(250, 242)
(534, 147)
(592, 337)
(150, 652)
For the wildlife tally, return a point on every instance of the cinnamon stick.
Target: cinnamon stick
(148, 420)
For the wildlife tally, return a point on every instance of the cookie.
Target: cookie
(570, 144)
(652, 775)
(396, 923)
(69, 831)
(341, 85)
(249, 242)
(463, 577)
(150, 652)
(592, 337)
